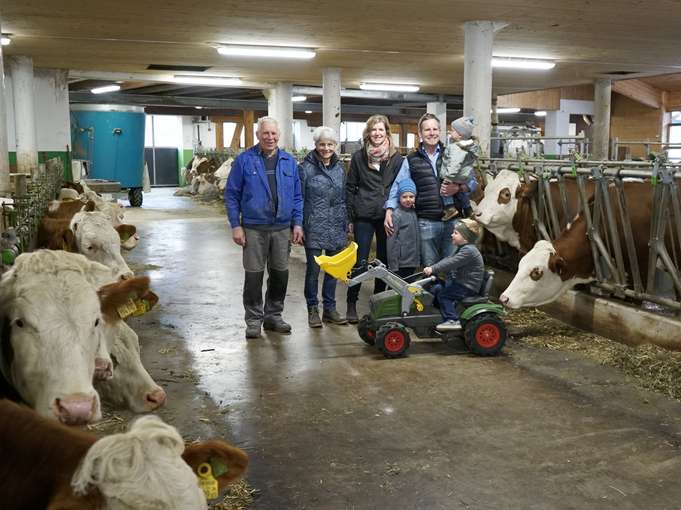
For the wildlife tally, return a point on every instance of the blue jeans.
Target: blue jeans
(449, 295)
(312, 279)
(364, 231)
(436, 240)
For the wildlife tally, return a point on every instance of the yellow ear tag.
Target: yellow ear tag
(141, 307)
(208, 484)
(127, 309)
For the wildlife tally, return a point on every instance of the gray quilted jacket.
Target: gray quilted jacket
(325, 217)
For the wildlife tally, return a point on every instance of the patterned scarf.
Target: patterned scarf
(379, 153)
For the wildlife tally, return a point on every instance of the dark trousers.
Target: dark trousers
(363, 232)
(312, 279)
(448, 296)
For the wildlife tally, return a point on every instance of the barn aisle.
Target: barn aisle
(330, 424)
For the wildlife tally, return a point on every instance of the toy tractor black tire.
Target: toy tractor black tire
(485, 334)
(393, 340)
(366, 331)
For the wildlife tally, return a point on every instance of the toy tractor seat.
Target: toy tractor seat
(485, 287)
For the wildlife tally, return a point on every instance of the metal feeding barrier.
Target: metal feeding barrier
(605, 210)
(30, 199)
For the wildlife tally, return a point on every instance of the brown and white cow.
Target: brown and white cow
(549, 270)
(506, 208)
(52, 329)
(44, 465)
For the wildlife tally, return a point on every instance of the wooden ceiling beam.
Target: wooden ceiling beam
(639, 91)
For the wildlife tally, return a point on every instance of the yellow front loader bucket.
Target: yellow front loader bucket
(339, 265)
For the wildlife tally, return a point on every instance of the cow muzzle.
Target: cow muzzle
(76, 409)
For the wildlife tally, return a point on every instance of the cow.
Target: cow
(68, 194)
(45, 465)
(96, 239)
(550, 269)
(52, 329)
(130, 385)
(506, 209)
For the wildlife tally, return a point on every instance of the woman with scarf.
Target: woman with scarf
(373, 169)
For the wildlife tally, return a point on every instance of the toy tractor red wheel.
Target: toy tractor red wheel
(393, 340)
(485, 334)
(366, 330)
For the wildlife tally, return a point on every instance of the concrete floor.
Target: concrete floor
(330, 424)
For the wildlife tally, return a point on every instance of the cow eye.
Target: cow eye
(97, 322)
(90, 248)
(536, 274)
(19, 323)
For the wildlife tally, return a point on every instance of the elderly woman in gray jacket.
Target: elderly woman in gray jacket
(325, 221)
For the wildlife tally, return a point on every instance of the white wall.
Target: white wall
(302, 135)
(167, 131)
(51, 96)
(557, 122)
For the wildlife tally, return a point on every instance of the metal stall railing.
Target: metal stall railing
(603, 205)
(30, 200)
(536, 145)
(616, 144)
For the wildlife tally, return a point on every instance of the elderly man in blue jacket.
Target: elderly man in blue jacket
(264, 201)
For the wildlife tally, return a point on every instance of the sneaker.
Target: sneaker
(449, 325)
(333, 317)
(450, 213)
(253, 330)
(351, 314)
(277, 325)
(313, 319)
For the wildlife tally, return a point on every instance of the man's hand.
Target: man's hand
(428, 271)
(239, 236)
(449, 189)
(298, 236)
(388, 222)
(351, 228)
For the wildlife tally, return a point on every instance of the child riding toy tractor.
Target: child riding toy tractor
(412, 305)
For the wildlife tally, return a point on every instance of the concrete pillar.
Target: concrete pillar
(331, 84)
(280, 106)
(601, 128)
(477, 77)
(21, 69)
(556, 123)
(439, 109)
(4, 157)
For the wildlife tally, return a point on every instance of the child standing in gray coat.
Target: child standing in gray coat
(404, 245)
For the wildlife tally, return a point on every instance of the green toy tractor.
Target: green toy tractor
(410, 305)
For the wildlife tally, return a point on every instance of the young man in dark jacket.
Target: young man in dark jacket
(263, 200)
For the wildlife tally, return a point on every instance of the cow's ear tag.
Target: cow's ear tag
(142, 306)
(219, 467)
(207, 482)
(127, 309)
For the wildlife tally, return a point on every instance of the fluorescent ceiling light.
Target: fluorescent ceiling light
(540, 114)
(391, 87)
(308, 111)
(199, 107)
(522, 63)
(508, 110)
(299, 99)
(207, 80)
(5, 40)
(266, 51)
(105, 89)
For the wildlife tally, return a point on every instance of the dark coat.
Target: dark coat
(368, 189)
(325, 218)
(404, 246)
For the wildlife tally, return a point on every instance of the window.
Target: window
(675, 136)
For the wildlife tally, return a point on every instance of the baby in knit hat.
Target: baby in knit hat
(458, 161)
(404, 245)
(465, 270)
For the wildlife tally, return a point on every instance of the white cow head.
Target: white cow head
(542, 278)
(51, 327)
(141, 469)
(131, 385)
(97, 239)
(496, 210)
